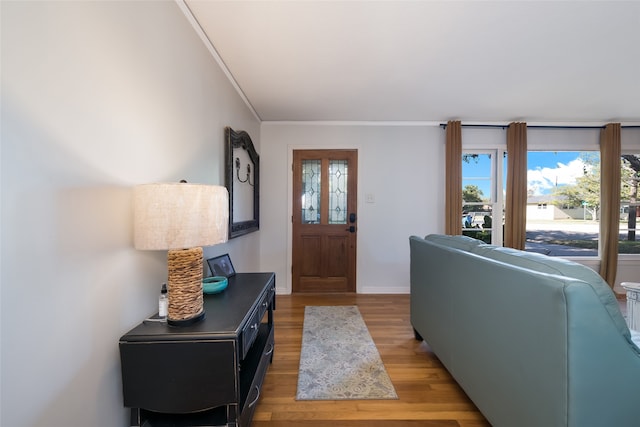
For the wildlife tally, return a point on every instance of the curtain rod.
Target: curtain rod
(444, 126)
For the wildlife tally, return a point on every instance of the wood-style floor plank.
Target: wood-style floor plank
(428, 395)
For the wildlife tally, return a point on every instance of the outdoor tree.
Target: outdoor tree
(472, 193)
(586, 191)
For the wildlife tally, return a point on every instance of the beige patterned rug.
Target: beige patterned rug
(339, 360)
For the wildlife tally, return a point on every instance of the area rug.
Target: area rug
(339, 360)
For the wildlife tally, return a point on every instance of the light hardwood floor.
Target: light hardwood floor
(428, 396)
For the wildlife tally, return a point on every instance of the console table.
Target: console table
(206, 374)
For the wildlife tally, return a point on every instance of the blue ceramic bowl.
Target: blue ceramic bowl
(214, 284)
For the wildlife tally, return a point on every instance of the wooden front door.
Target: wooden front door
(324, 220)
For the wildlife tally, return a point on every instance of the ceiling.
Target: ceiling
(430, 61)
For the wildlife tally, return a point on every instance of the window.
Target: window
(563, 202)
(482, 195)
(629, 241)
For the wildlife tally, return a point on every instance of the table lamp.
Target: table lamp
(181, 218)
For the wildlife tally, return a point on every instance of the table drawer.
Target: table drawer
(250, 332)
(250, 329)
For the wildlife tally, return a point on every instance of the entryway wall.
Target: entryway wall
(400, 188)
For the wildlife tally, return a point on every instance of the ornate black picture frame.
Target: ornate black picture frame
(242, 180)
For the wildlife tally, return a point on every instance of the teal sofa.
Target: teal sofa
(533, 340)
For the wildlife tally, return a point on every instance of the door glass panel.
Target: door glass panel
(311, 191)
(338, 174)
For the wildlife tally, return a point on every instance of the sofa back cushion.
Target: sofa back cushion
(463, 243)
(562, 267)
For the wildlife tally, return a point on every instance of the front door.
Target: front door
(324, 220)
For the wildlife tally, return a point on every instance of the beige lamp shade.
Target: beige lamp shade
(181, 218)
(179, 215)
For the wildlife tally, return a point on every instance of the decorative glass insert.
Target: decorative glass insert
(338, 174)
(311, 191)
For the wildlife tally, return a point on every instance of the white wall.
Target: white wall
(96, 97)
(401, 166)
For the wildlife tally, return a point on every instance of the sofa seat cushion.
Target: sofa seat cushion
(562, 267)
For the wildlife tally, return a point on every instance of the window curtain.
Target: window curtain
(515, 215)
(453, 180)
(610, 153)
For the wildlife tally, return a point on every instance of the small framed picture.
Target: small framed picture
(221, 266)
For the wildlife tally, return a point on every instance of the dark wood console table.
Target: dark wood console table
(206, 374)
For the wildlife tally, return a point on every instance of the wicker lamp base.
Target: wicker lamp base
(185, 287)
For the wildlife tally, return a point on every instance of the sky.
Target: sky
(546, 169)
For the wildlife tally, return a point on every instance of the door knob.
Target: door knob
(351, 229)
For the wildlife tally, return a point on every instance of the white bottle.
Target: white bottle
(163, 303)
